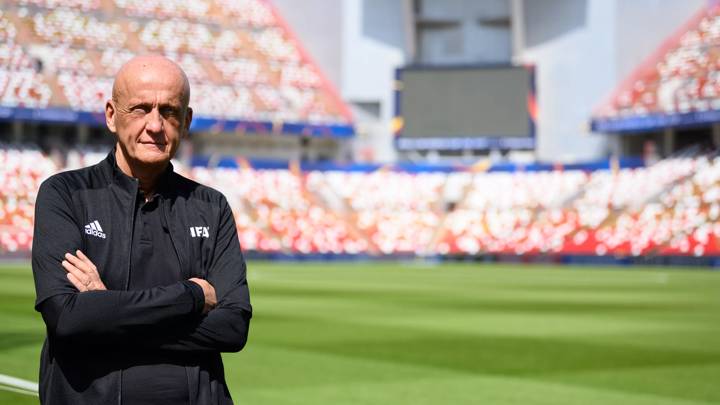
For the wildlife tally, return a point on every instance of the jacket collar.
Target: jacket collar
(114, 175)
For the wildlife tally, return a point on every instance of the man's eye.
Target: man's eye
(169, 112)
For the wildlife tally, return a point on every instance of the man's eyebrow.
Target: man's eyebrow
(137, 102)
(171, 104)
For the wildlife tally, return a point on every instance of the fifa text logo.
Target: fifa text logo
(200, 231)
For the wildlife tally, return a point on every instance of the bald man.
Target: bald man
(138, 271)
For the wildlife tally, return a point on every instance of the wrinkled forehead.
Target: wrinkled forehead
(155, 82)
(156, 91)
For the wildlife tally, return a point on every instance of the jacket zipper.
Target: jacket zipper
(163, 207)
(131, 218)
(173, 242)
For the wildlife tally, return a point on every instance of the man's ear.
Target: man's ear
(110, 115)
(188, 121)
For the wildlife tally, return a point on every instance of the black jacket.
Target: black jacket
(92, 336)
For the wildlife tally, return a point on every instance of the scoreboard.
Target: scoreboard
(465, 107)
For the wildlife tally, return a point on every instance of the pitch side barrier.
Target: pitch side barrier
(562, 260)
(411, 167)
(654, 122)
(707, 262)
(609, 260)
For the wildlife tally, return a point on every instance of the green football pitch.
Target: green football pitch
(388, 333)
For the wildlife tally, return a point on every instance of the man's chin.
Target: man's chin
(153, 147)
(153, 158)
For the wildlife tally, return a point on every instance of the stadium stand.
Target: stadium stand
(504, 212)
(398, 212)
(681, 221)
(669, 208)
(275, 212)
(21, 172)
(243, 62)
(678, 78)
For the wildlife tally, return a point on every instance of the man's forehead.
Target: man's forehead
(151, 92)
(152, 82)
(151, 76)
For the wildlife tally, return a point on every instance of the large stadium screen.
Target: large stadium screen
(465, 108)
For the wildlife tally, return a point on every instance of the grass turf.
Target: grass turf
(458, 334)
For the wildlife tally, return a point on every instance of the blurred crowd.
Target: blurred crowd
(242, 61)
(669, 208)
(685, 79)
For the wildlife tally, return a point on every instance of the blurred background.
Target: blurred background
(412, 182)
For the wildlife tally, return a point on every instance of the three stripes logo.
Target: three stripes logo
(94, 229)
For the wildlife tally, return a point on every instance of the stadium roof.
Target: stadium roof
(677, 85)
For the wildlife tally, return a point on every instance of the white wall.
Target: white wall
(358, 44)
(317, 23)
(475, 37)
(582, 50)
(572, 46)
(371, 55)
(643, 24)
(374, 45)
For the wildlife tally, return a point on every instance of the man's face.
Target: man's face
(149, 113)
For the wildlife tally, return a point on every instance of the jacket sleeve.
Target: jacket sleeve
(98, 317)
(224, 328)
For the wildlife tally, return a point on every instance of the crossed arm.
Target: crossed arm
(190, 315)
(83, 274)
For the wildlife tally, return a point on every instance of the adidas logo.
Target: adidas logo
(94, 229)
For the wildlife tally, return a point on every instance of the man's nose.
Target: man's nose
(154, 121)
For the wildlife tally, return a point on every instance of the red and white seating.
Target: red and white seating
(21, 172)
(238, 48)
(671, 208)
(684, 79)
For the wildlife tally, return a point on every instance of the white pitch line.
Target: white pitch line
(15, 384)
(18, 390)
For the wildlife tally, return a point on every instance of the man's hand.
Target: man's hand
(209, 291)
(82, 273)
